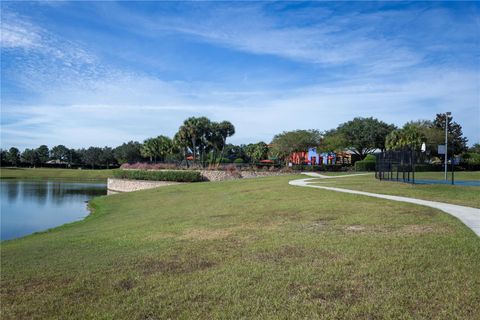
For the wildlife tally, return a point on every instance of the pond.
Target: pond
(28, 206)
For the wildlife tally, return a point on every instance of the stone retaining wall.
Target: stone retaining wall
(222, 175)
(125, 185)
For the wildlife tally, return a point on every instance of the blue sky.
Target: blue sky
(101, 73)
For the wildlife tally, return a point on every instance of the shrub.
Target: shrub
(370, 157)
(471, 158)
(169, 175)
(365, 165)
(225, 160)
(238, 160)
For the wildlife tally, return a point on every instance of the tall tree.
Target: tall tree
(30, 156)
(196, 131)
(3, 157)
(409, 137)
(332, 141)
(454, 132)
(92, 156)
(60, 153)
(226, 129)
(128, 152)
(363, 135)
(475, 148)
(182, 142)
(257, 151)
(107, 157)
(43, 153)
(285, 143)
(150, 149)
(166, 147)
(13, 156)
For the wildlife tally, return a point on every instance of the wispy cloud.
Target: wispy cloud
(340, 65)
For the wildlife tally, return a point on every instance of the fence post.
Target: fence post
(413, 167)
(453, 175)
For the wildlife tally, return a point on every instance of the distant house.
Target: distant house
(312, 157)
(56, 162)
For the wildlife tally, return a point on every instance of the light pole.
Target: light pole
(447, 115)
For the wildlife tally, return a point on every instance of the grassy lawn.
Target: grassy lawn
(253, 248)
(462, 195)
(460, 175)
(49, 173)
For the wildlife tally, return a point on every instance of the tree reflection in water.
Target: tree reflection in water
(29, 206)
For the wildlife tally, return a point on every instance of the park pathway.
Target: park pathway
(469, 216)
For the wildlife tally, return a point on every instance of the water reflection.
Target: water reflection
(30, 206)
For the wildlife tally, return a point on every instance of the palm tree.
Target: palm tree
(196, 130)
(227, 130)
(150, 148)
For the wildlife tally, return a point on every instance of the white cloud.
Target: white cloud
(159, 108)
(80, 101)
(17, 33)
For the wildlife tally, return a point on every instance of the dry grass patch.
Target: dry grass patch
(414, 229)
(207, 234)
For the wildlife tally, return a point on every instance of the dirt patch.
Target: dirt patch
(176, 265)
(422, 229)
(125, 285)
(324, 293)
(413, 229)
(355, 228)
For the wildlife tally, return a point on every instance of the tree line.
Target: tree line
(199, 139)
(204, 142)
(363, 136)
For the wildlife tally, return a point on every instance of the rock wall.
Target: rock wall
(222, 175)
(125, 185)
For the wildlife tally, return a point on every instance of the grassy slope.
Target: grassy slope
(49, 173)
(468, 196)
(255, 248)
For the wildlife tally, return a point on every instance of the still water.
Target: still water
(29, 206)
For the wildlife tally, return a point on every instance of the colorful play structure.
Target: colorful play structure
(312, 157)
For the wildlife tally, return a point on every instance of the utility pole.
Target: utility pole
(447, 115)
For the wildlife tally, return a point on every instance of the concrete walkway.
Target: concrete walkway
(469, 216)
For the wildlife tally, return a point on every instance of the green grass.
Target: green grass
(460, 175)
(49, 173)
(253, 248)
(461, 195)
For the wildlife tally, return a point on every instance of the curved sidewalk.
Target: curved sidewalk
(469, 216)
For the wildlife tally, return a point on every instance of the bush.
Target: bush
(365, 165)
(471, 158)
(225, 160)
(370, 157)
(170, 175)
(238, 161)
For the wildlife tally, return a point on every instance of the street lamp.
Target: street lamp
(447, 116)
